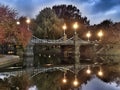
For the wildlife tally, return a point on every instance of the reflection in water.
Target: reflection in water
(97, 84)
(52, 80)
(94, 84)
(33, 88)
(6, 76)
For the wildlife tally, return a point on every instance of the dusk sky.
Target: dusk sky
(95, 10)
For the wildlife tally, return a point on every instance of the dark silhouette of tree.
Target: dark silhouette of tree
(106, 23)
(71, 14)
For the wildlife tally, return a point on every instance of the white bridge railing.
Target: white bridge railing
(70, 41)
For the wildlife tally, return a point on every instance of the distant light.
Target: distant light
(28, 21)
(88, 35)
(48, 64)
(49, 56)
(64, 27)
(100, 33)
(75, 25)
(18, 23)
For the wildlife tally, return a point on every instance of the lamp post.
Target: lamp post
(88, 35)
(64, 27)
(75, 26)
(100, 34)
(28, 22)
(77, 53)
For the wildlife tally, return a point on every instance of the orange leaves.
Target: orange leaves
(10, 32)
(2, 35)
(24, 36)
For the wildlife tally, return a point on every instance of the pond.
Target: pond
(53, 80)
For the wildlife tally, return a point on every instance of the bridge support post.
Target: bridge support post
(77, 53)
(29, 57)
(65, 38)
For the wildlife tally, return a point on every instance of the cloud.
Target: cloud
(97, 84)
(104, 5)
(95, 10)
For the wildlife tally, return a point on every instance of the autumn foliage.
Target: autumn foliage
(10, 32)
(23, 33)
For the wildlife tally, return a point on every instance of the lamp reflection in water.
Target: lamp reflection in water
(88, 71)
(100, 72)
(64, 78)
(75, 82)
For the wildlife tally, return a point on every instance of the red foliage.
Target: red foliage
(10, 32)
(2, 35)
(23, 35)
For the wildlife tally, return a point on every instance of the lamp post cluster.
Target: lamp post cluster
(88, 72)
(77, 53)
(27, 21)
(88, 34)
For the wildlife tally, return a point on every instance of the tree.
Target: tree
(106, 23)
(71, 14)
(7, 23)
(48, 25)
(9, 31)
(22, 82)
(23, 34)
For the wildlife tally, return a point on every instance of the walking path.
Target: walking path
(8, 60)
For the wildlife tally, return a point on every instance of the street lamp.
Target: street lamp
(64, 28)
(28, 22)
(18, 23)
(88, 35)
(100, 34)
(75, 26)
